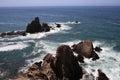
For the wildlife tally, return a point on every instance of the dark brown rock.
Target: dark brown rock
(45, 27)
(48, 67)
(34, 26)
(95, 56)
(85, 49)
(38, 63)
(98, 49)
(3, 34)
(80, 58)
(66, 64)
(21, 33)
(13, 33)
(101, 75)
(58, 25)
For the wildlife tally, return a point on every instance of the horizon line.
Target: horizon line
(65, 6)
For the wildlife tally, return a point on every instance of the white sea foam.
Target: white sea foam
(70, 43)
(40, 46)
(14, 46)
(40, 35)
(73, 22)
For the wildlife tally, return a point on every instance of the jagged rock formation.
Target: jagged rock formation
(85, 49)
(64, 66)
(35, 26)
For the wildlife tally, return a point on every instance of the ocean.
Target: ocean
(99, 24)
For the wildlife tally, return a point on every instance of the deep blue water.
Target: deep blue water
(97, 23)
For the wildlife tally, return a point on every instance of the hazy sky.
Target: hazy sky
(6, 3)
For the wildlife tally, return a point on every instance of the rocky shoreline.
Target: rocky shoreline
(65, 65)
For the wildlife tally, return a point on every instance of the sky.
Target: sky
(12, 3)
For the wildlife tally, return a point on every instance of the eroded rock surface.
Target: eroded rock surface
(85, 49)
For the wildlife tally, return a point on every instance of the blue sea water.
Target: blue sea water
(100, 24)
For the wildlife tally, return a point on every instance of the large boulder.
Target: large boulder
(34, 26)
(85, 49)
(66, 64)
(80, 58)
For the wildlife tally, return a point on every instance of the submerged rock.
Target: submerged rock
(13, 33)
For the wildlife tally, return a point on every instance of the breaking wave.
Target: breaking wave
(13, 46)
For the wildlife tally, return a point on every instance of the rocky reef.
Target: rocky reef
(34, 27)
(13, 33)
(65, 65)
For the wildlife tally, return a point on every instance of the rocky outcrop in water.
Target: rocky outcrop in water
(98, 49)
(45, 28)
(101, 75)
(13, 33)
(85, 49)
(64, 66)
(58, 25)
(35, 26)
